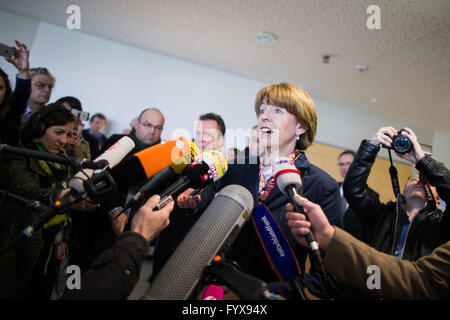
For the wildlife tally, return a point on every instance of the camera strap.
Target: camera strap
(394, 176)
(431, 201)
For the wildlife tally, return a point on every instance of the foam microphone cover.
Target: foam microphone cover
(220, 223)
(148, 162)
(286, 174)
(113, 155)
(198, 175)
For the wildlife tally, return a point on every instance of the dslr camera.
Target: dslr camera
(400, 144)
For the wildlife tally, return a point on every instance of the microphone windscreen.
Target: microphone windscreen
(156, 158)
(148, 162)
(206, 168)
(190, 151)
(113, 155)
(219, 224)
(286, 174)
(212, 292)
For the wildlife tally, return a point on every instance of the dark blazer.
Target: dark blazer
(246, 250)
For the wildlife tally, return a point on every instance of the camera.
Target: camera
(400, 144)
(83, 116)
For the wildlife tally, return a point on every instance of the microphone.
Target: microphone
(212, 292)
(113, 155)
(77, 191)
(288, 180)
(215, 230)
(152, 160)
(167, 175)
(207, 168)
(58, 158)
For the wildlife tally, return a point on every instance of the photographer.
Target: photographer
(412, 226)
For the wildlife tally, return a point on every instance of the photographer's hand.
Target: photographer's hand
(417, 152)
(20, 60)
(384, 136)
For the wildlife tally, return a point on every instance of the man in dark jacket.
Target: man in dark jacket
(115, 272)
(96, 235)
(94, 134)
(146, 131)
(410, 227)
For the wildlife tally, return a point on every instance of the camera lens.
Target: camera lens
(401, 144)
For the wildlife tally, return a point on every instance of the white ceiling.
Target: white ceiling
(408, 60)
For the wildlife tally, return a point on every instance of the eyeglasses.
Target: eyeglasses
(148, 125)
(341, 164)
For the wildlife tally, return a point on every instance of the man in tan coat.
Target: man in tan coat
(350, 260)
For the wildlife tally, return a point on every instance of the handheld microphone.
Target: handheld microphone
(169, 174)
(58, 158)
(206, 168)
(148, 162)
(216, 229)
(289, 181)
(113, 156)
(212, 292)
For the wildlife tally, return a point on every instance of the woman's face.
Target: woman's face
(56, 137)
(278, 129)
(2, 90)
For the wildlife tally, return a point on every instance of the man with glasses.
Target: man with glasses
(42, 83)
(102, 231)
(145, 133)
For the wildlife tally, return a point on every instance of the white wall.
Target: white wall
(120, 81)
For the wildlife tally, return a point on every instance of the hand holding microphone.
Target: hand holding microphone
(318, 222)
(148, 222)
(289, 181)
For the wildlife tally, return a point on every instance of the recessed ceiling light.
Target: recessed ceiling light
(265, 38)
(361, 68)
(373, 100)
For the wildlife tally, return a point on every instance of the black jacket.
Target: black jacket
(428, 229)
(113, 275)
(354, 224)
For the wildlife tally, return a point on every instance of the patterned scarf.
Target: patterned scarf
(266, 188)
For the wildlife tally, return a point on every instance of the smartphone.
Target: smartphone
(83, 116)
(6, 51)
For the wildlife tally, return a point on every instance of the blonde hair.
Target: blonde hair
(297, 102)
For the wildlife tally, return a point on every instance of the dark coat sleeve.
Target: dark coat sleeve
(364, 203)
(113, 275)
(11, 124)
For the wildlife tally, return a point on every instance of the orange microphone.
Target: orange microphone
(146, 163)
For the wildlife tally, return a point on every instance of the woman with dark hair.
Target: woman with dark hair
(32, 265)
(13, 104)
